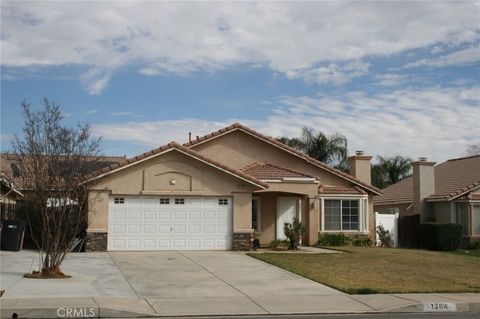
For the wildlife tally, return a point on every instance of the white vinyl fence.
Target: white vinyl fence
(390, 223)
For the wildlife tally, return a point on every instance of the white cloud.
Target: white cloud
(332, 73)
(391, 79)
(311, 40)
(435, 122)
(465, 56)
(95, 80)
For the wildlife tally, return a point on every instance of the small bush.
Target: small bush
(384, 237)
(475, 245)
(362, 241)
(279, 244)
(293, 231)
(439, 236)
(337, 239)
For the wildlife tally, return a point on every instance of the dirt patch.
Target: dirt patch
(54, 273)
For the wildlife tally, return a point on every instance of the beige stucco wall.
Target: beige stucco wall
(153, 176)
(442, 212)
(242, 212)
(239, 149)
(268, 215)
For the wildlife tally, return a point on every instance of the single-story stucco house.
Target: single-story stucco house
(222, 190)
(447, 192)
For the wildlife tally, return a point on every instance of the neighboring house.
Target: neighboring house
(221, 191)
(10, 170)
(448, 192)
(9, 194)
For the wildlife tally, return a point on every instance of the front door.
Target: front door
(287, 209)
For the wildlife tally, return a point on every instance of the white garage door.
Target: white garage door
(169, 223)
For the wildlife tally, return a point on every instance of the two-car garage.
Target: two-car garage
(169, 223)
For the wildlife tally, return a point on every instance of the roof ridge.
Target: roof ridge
(284, 146)
(461, 158)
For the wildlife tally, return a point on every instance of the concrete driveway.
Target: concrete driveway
(178, 283)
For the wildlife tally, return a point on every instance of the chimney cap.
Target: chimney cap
(359, 153)
(423, 159)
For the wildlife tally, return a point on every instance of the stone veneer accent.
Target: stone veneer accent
(242, 241)
(96, 242)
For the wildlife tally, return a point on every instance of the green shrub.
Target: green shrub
(475, 245)
(293, 231)
(362, 241)
(337, 239)
(439, 236)
(384, 237)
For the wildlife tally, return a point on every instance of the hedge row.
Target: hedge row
(439, 236)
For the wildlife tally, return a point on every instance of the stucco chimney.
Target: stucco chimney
(423, 186)
(360, 167)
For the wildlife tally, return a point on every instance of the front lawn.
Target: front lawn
(383, 270)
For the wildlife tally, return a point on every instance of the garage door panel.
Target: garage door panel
(209, 215)
(119, 229)
(119, 215)
(164, 215)
(179, 215)
(164, 229)
(149, 229)
(149, 215)
(169, 223)
(134, 215)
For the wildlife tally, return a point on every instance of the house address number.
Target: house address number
(439, 307)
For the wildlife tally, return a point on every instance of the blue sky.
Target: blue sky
(395, 78)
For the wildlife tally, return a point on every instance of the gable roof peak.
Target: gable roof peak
(272, 141)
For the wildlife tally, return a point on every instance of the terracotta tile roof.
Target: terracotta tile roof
(453, 178)
(8, 162)
(351, 190)
(470, 196)
(262, 170)
(173, 145)
(287, 148)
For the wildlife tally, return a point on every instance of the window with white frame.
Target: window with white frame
(223, 201)
(341, 214)
(119, 200)
(256, 214)
(461, 217)
(179, 201)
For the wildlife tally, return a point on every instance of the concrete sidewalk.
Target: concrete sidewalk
(103, 307)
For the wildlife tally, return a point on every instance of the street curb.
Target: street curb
(139, 308)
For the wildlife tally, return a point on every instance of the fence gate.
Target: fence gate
(390, 223)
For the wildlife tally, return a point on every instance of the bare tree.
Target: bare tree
(52, 159)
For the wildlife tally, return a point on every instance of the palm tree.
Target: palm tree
(331, 149)
(390, 170)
